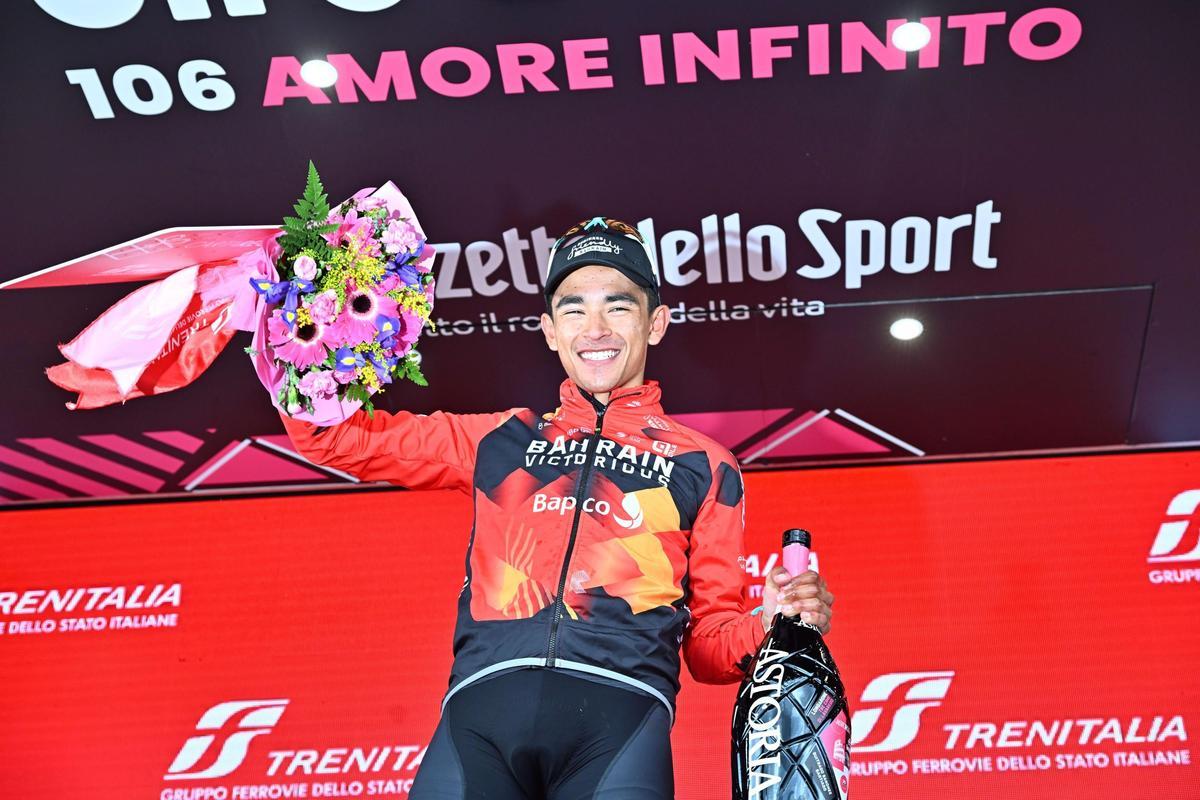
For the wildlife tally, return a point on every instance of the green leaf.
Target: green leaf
(314, 205)
(304, 230)
(414, 373)
(356, 391)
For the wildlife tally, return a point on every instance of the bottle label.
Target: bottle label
(763, 717)
(833, 739)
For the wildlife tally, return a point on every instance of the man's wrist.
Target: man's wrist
(764, 617)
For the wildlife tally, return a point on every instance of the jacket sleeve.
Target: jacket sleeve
(722, 636)
(413, 450)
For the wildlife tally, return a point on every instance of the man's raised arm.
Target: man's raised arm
(435, 451)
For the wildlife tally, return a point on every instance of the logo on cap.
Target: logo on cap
(592, 244)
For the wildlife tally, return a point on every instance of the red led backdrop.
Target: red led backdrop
(1019, 628)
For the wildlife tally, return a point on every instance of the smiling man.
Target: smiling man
(606, 535)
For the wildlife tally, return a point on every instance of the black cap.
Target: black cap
(606, 248)
(797, 536)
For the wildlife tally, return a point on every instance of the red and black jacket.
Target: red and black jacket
(604, 536)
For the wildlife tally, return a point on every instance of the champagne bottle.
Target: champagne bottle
(791, 728)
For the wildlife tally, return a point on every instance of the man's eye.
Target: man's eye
(618, 308)
(566, 312)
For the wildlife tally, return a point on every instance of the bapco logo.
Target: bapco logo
(226, 728)
(900, 697)
(634, 516)
(1170, 544)
(633, 508)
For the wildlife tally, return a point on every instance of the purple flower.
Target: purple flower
(305, 267)
(288, 291)
(318, 384)
(388, 328)
(346, 360)
(272, 291)
(408, 273)
(383, 366)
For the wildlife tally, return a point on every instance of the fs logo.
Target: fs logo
(222, 318)
(1167, 544)
(903, 695)
(230, 726)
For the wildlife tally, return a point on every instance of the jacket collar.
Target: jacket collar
(626, 408)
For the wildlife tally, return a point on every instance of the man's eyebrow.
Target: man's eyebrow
(620, 297)
(568, 298)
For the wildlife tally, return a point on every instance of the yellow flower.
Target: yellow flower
(347, 263)
(367, 375)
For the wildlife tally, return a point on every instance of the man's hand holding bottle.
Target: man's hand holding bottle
(805, 594)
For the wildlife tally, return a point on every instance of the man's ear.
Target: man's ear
(549, 333)
(660, 318)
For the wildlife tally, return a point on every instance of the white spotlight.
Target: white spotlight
(907, 328)
(319, 73)
(911, 36)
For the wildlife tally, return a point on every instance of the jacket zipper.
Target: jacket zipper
(580, 490)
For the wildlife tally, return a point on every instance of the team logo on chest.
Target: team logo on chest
(627, 513)
(604, 454)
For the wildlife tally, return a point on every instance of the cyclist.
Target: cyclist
(606, 535)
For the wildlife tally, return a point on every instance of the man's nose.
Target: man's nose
(597, 327)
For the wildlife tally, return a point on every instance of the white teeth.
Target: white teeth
(598, 355)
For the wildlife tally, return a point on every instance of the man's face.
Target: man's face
(601, 329)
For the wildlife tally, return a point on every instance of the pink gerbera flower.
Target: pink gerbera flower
(410, 330)
(356, 323)
(301, 345)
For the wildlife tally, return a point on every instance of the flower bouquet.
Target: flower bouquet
(343, 295)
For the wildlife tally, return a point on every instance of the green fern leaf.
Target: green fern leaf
(315, 201)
